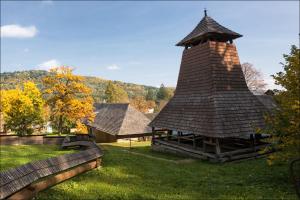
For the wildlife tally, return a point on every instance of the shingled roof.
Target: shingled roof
(119, 119)
(208, 28)
(267, 101)
(211, 97)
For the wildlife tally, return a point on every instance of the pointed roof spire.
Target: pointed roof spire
(208, 29)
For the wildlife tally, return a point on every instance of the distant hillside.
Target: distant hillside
(9, 80)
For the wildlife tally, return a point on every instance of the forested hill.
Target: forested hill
(9, 80)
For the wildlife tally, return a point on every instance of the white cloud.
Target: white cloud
(113, 67)
(47, 65)
(26, 50)
(17, 31)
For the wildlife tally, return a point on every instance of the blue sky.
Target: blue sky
(135, 41)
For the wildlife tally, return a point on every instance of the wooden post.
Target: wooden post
(152, 139)
(194, 141)
(204, 144)
(252, 138)
(178, 137)
(169, 134)
(218, 148)
(98, 161)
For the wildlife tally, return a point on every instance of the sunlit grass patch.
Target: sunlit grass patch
(15, 155)
(124, 175)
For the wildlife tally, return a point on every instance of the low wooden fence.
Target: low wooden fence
(25, 181)
(34, 139)
(17, 140)
(295, 174)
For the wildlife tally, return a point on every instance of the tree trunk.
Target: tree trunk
(60, 125)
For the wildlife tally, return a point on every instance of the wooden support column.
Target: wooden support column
(169, 134)
(178, 137)
(153, 135)
(252, 138)
(194, 141)
(204, 144)
(218, 148)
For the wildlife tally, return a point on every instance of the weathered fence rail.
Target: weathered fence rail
(36, 139)
(295, 174)
(25, 181)
(30, 139)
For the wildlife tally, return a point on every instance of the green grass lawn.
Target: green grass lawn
(126, 175)
(12, 156)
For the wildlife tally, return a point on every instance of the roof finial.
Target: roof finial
(205, 12)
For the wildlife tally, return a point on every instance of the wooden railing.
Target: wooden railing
(25, 181)
(295, 175)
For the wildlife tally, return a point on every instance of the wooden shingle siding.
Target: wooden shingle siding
(13, 180)
(211, 97)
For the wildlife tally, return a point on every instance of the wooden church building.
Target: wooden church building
(212, 114)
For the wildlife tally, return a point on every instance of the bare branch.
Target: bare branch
(254, 78)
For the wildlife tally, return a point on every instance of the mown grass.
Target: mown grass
(129, 176)
(12, 156)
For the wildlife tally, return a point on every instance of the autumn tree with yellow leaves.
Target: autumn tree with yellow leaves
(141, 104)
(22, 109)
(69, 100)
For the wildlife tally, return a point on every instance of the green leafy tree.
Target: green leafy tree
(23, 109)
(164, 93)
(115, 94)
(151, 95)
(284, 124)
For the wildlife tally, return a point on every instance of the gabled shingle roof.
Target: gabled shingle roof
(119, 119)
(211, 96)
(208, 28)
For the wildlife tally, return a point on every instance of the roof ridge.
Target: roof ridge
(117, 124)
(131, 118)
(208, 28)
(125, 113)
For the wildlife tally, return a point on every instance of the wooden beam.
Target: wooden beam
(185, 148)
(244, 150)
(170, 149)
(137, 135)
